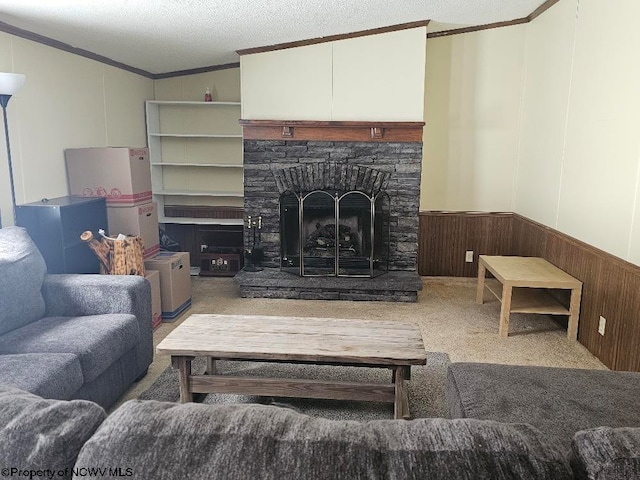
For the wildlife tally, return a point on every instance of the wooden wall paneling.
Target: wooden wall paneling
(497, 236)
(445, 237)
(609, 286)
(433, 257)
(486, 235)
(588, 267)
(529, 239)
(628, 357)
(186, 236)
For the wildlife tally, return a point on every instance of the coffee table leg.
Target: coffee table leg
(505, 310)
(211, 366)
(401, 403)
(482, 270)
(183, 365)
(574, 314)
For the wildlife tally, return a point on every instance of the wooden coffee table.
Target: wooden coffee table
(321, 341)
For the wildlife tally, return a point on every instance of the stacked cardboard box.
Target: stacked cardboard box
(175, 282)
(156, 309)
(123, 176)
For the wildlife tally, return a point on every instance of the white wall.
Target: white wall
(542, 119)
(579, 160)
(473, 91)
(67, 101)
(377, 77)
(549, 55)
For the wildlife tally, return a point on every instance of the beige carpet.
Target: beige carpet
(446, 311)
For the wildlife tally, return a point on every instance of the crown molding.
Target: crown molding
(333, 38)
(533, 15)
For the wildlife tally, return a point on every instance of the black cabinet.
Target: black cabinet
(216, 249)
(55, 225)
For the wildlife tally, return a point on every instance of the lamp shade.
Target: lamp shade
(10, 83)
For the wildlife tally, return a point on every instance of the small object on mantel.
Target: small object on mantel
(376, 132)
(207, 95)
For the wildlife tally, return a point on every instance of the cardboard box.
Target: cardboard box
(175, 282)
(156, 309)
(140, 220)
(121, 174)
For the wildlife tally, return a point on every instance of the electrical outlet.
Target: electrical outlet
(468, 257)
(601, 325)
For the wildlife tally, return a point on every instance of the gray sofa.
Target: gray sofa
(162, 441)
(592, 415)
(69, 336)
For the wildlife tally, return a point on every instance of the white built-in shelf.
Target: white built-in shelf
(204, 104)
(201, 221)
(187, 164)
(195, 149)
(196, 193)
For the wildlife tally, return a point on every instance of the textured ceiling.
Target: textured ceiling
(168, 35)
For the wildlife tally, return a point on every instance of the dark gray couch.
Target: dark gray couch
(69, 336)
(593, 415)
(156, 440)
(162, 441)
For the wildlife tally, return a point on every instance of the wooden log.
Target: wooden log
(101, 250)
(118, 257)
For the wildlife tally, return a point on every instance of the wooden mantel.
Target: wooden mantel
(332, 131)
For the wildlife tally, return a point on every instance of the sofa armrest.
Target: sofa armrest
(606, 453)
(78, 295)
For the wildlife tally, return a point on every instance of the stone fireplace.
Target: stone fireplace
(338, 203)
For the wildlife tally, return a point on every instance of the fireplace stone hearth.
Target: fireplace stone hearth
(395, 286)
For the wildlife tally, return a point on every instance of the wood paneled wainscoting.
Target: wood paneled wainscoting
(611, 286)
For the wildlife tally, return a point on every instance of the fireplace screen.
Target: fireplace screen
(323, 233)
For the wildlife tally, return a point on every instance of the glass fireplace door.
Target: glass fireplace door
(290, 233)
(354, 235)
(318, 234)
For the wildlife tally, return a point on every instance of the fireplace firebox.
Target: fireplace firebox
(329, 233)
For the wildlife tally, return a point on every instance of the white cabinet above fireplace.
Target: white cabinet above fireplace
(196, 159)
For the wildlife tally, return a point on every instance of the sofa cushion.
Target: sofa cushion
(97, 340)
(557, 401)
(606, 453)
(22, 271)
(166, 440)
(49, 375)
(43, 434)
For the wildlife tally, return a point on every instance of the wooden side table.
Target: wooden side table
(522, 285)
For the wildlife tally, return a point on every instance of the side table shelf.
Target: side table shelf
(529, 300)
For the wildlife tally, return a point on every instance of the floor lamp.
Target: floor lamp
(10, 83)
